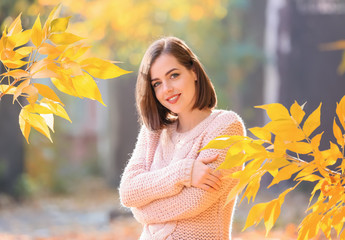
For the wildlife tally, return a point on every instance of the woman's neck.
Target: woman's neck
(187, 121)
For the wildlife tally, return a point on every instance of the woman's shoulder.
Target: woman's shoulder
(226, 117)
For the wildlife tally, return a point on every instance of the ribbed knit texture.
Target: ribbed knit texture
(156, 183)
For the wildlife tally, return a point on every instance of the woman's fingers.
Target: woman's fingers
(209, 159)
(213, 181)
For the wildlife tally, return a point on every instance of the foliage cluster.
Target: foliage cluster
(278, 150)
(48, 52)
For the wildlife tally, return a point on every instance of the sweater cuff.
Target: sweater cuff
(186, 171)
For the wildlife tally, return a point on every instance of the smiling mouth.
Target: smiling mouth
(173, 99)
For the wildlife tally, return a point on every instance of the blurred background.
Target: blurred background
(255, 52)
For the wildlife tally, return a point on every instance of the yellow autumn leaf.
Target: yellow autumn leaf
(59, 24)
(231, 161)
(275, 164)
(47, 92)
(21, 38)
(36, 34)
(315, 141)
(48, 117)
(261, 133)
(16, 26)
(312, 122)
(223, 141)
(102, 69)
(306, 171)
(57, 109)
(65, 85)
(340, 111)
(86, 86)
(285, 173)
(275, 111)
(7, 89)
(300, 147)
(24, 50)
(35, 121)
(255, 215)
(38, 122)
(297, 112)
(14, 64)
(286, 129)
(64, 38)
(74, 52)
(52, 15)
(271, 214)
(24, 125)
(338, 134)
(37, 108)
(252, 189)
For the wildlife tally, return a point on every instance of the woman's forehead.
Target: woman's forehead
(163, 64)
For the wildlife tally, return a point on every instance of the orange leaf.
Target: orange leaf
(32, 93)
(20, 88)
(50, 50)
(17, 73)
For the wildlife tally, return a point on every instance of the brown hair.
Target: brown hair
(152, 113)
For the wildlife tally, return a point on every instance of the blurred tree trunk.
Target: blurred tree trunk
(11, 146)
(11, 140)
(254, 30)
(123, 126)
(307, 73)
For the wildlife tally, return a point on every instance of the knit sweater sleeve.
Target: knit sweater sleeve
(192, 201)
(140, 186)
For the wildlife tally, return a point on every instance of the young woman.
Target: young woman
(171, 187)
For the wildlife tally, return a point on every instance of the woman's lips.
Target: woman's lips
(174, 98)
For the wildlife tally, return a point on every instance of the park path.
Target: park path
(91, 213)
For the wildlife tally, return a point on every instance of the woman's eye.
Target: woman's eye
(156, 84)
(174, 75)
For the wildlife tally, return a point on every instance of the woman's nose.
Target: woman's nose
(167, 87)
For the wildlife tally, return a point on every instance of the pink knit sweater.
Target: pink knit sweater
(156, 183)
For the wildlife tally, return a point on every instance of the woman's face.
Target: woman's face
(174, 85)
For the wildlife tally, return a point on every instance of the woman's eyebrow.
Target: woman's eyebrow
(166, 74)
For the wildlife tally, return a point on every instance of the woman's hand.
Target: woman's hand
(205, 177)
